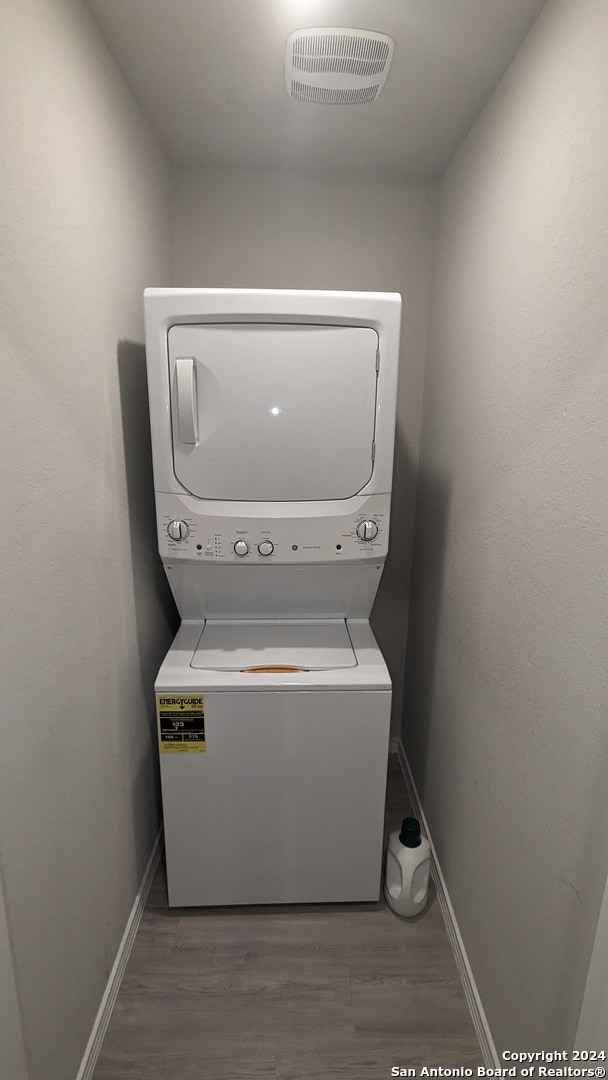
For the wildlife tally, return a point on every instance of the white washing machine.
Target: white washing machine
(272, 416)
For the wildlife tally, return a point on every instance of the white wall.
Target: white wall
(505, 722)
(83, 228)
(259, 229)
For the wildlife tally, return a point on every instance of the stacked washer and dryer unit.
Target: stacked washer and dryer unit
(272, 417)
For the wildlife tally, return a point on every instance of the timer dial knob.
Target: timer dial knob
(367, 530)
(266, 547)
(178, 530)
(241, 548)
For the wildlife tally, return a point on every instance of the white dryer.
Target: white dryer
(272, 417)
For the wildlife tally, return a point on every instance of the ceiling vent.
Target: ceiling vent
(335, 65)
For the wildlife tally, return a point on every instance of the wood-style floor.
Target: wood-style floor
(291, 993)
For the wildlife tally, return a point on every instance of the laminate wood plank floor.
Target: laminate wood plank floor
(312, 992)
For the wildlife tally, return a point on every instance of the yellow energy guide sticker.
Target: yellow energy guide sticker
(181, 723)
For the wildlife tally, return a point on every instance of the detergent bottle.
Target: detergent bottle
(408, 863)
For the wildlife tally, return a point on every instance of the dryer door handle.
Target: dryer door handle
(187, 418)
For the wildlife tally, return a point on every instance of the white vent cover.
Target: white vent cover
(336, 65)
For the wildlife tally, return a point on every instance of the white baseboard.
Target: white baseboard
(104, 1012)
(593, 1019)
(478, 1016)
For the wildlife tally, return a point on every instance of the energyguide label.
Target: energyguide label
(181, 723)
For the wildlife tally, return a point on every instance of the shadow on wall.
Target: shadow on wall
(153, 600)
(389, 618)
(428, 565)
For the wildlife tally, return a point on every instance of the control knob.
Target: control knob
(367, 530)
(266, 547)
(241, 548)
(178, 530)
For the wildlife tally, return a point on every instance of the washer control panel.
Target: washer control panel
(185, 532)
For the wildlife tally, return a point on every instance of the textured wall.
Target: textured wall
(83, 228)
(256, 229)
(505, 722)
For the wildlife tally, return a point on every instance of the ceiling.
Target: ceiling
(209, 76)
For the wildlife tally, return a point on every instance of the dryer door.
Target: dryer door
(273, 412)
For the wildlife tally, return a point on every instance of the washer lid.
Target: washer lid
(279, 644)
